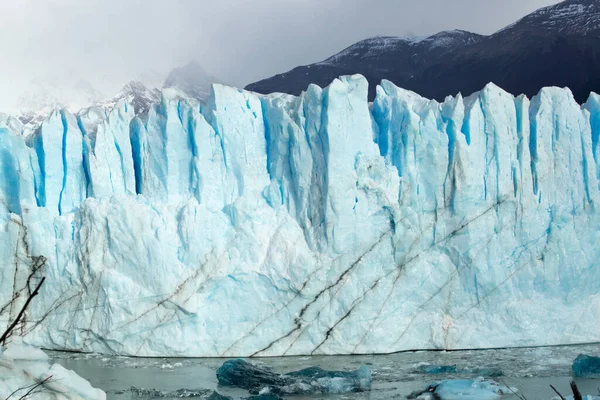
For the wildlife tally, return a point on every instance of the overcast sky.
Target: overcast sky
(110, 42)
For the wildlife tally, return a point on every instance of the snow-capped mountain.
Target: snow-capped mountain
(571, 17)
(136, 94)
(371, 52)
(191, 79)
(398, 59)
(554, 46)
(46, 96)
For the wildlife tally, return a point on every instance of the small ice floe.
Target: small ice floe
(480, 389)
(586, 366)
(313, 380)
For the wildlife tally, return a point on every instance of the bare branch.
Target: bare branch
(40, 384)
(576, 393)
(558, 393)
(20, 315)
(31, 388)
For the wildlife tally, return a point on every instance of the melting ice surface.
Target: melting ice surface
(319, 224)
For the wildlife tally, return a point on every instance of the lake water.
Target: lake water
(395, 376)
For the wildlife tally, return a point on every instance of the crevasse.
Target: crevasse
(319, 224)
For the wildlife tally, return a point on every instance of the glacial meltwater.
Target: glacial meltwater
(395, 376)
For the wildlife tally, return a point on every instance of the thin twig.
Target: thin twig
(558, 393)
(41, 383)
(20, 315)
(519, 395)
(32, 387)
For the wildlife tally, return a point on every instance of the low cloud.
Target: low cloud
(110, 42)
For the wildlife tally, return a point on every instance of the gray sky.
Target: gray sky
(110, 42)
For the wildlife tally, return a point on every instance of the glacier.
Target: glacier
(270, 225)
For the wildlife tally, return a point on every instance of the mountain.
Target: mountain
(192, 80)
(321, 224)
(554, 46)
(395, 58)
(136, 94)
(70, 92)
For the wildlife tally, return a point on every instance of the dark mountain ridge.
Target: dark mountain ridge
(557, 45)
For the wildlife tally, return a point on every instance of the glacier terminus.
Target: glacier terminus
(270, 225)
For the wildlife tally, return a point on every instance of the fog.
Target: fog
(110, 42)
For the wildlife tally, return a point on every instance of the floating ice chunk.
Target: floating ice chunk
(337, 381)
(586, 366)
(244, 375)
(256, 379)
(23, 352)
(480, 389)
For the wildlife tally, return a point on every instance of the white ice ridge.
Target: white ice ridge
(319, 224)
(26, 373)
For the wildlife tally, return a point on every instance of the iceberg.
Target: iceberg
(320, 224)
(586, 366)
(480, 389)
(313, 380)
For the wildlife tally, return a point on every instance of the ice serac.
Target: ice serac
(319, 224)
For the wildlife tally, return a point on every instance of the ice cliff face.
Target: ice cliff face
(319, 224)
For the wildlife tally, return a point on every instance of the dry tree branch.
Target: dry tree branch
(38, 385)
(519, 395)
(31, 388)
(12, 326)
(576, 393)
(558, 393)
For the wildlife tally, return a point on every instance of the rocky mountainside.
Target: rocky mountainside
(554, 46)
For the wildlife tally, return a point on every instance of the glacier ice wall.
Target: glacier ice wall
(318, 224)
